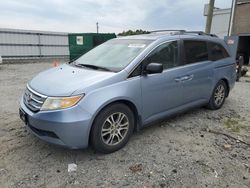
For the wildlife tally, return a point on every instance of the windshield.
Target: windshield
(113, 55)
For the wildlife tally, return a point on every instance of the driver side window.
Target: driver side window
(165, 54)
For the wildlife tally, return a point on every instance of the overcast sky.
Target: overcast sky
(112, 15)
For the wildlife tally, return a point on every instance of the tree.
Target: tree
(136, 32)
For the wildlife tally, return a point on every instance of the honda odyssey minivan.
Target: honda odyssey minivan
(124, 84)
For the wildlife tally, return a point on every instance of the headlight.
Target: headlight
(55, 103)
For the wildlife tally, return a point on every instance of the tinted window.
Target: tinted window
(165, 54)
(195, 51)
(217, 51)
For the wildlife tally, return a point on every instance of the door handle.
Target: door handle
(187, 78)
(184, 78)
(177, 79)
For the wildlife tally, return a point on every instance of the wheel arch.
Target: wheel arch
(126, 102)
(227, 84)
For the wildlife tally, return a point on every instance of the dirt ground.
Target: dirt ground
(180, 152)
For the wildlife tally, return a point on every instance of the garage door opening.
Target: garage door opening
(240, 46)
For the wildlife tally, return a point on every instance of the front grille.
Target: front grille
(33, 100)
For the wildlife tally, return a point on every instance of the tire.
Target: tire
(218, 96)
(112, 128)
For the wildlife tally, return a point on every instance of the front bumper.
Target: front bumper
(68, 127)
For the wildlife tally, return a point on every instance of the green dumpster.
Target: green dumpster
(80, 43)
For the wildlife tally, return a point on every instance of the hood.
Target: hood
(65, 79)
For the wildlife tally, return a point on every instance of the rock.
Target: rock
(3, 171)
(239, 139)
(174, 171)
(99, 159)
(72, 167)
(76, 182)
(171, 141)
(136, 168)
(234, 155)
(35, 177)
(99, 184)
(191, 150)
(227, 146)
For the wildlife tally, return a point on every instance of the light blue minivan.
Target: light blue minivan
(125, 84)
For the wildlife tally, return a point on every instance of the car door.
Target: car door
(161, 92)
(197, 77)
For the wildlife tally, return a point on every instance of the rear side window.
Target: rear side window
(217, 51)
(195, 51)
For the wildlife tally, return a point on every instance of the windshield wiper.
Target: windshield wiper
(93, 67)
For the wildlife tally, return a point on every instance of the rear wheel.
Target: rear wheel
(112, 128)
(218, 96)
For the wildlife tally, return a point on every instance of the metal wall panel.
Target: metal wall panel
(15, 51)
(54, 40)
(13, 38)
(51, 50)
(25, 43)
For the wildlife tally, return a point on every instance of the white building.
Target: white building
(220, 22)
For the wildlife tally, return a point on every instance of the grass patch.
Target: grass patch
(204, 167)
(232, 125)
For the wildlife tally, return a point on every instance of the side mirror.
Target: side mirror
(153, 68)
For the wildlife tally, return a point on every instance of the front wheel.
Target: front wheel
(112, 128)
(218, 96)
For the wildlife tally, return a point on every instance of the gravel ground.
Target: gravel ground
(180, 152)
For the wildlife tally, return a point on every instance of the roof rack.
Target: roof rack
(182, 32)
(172, 31)
(167, 30)
(200, 33)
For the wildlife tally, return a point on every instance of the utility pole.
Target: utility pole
(232, 15)
(210, 16)
(97, 27)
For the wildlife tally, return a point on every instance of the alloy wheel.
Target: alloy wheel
(115, 128)
(219, 95)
